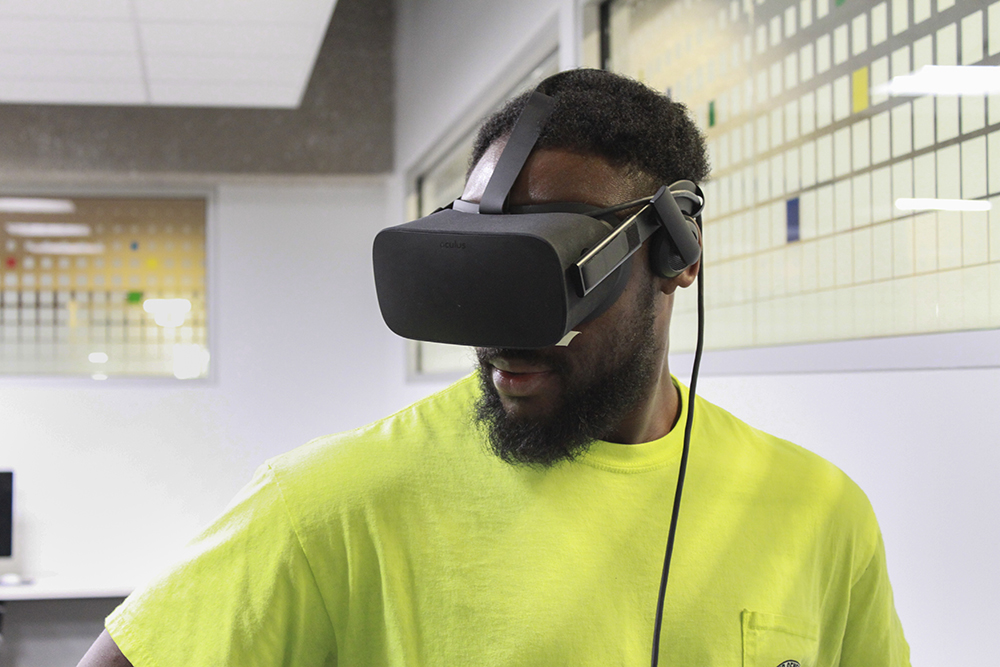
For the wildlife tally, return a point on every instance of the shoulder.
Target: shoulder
(443, 414)
(781, 476)
(384, 453)
(766, 457)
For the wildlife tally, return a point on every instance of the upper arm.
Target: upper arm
(241, 593)
(104, 653)
(874, 635)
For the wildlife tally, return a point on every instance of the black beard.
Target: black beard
(594, 401)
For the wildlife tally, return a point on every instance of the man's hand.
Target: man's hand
(104, 653)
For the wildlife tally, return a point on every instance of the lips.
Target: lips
(517, 378)
(519, 365)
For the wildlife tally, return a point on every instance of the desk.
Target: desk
(64, 588)
(55, 620)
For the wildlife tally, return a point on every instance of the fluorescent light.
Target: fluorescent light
(63, 248)
(167, 312)
(97, 358)
(190, 361)
(944, 80)
(35, 205)
(49, 229)
(99, 376)
(918, 204)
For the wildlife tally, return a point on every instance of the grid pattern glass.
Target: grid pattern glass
(804, 240)
(103, 287)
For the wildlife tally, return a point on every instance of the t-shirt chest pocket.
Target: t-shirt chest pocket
(770, 640)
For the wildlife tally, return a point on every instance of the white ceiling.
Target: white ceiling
(205, 53)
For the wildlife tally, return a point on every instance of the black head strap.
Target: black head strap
(522, 139)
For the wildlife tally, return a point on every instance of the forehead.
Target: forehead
(555, 175)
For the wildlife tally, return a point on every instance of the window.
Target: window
(103, 287)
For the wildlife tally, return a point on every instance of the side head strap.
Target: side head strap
(619, 245)
(668, 209)
(522, 139)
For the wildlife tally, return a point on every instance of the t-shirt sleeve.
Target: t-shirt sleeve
(243, 593)
(874, 636)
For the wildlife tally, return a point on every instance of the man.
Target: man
(519, 517)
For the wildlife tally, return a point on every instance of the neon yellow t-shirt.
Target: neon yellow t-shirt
(407, 543)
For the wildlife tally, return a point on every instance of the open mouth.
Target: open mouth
(519, 366)
(516, 378)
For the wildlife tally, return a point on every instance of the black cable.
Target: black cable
(620, 207)
(604, 21)
(683, 466)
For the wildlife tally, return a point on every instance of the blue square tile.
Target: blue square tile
(792, 216)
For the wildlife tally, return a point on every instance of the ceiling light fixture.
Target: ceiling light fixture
(47, 229)
(944, 80)
(63, 248)
(925, 204)
(167, 312)
(36, 205)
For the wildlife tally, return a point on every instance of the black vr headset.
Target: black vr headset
(493, 275)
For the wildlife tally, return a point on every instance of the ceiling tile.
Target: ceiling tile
(71, 92)
(234, 11)
(69, 67)
(223, 68)
(191, 52)
(66, 9)
(225, 95)
(247, 39)
(33, 36)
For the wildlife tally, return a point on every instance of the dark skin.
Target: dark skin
(552, 175)
(104, 653)
(559, 176)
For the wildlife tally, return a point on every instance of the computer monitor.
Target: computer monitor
(6, 513)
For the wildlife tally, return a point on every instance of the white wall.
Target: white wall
(923, 444)
(114, 476)
(452, 55)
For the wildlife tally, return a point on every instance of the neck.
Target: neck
(655, 416)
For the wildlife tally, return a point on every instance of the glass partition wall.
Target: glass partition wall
(103, 287)
(852, 193)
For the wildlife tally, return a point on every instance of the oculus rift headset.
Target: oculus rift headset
(493, 275)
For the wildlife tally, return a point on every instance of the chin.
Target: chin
(528, 407)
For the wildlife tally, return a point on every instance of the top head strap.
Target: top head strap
(522, 139)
